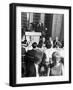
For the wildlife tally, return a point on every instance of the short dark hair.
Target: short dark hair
(48, 45)
(54, 56)
(34, 45)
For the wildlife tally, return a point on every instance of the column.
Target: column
(56, 25)
(42, 18)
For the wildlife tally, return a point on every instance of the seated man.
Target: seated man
(24, 41)
(42, 42)
(56, 43)
(49, 42)
(33, 58)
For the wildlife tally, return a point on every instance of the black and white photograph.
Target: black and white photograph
(41, 46)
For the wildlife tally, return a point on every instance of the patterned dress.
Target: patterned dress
(56, 70)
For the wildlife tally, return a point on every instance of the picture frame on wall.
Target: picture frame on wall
(40, 44)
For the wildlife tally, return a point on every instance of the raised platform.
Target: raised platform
(33, 36)
(33, 33)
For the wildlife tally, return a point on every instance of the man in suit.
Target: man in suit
(40, 27)
(57, 43)
(42, 42)
(33, 59)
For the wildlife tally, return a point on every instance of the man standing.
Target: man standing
(33, 59)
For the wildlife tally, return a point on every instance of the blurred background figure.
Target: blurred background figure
(62, 44)
(42, 42)
(39, 44)
(44, 31)
(49, 42)
(33, 26)
(24, 41)
(57, 43)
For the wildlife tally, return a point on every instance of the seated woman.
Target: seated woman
(56, 67)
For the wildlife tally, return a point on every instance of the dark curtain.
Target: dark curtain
(48, 25)
(62, 29)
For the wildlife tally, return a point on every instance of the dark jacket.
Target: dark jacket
(56, 44)
(41, 43)
(32, 57)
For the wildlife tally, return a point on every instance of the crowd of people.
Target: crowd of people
(44, 58)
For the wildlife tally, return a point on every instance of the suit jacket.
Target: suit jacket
(56, 43)
(41, 43)
(32, 57)
(40, 28)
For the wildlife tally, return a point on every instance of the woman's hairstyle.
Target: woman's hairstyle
(54, 56)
